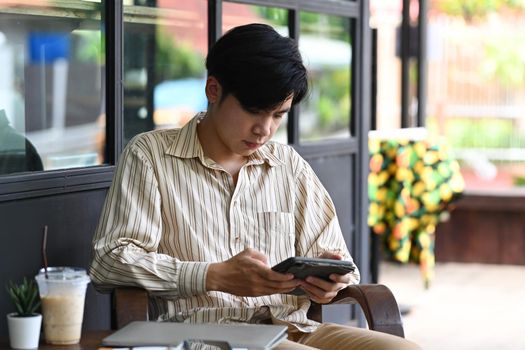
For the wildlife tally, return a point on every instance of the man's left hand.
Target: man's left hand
(322, 291)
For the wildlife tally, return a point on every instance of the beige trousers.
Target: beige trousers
(338, 337)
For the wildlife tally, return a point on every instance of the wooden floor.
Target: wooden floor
(468, 307)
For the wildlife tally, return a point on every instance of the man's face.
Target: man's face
(242, 132)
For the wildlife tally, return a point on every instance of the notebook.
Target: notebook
(171, 334)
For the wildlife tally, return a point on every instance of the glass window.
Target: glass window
(326, 48)
(234, 15)
(164, 74)
(52, 113)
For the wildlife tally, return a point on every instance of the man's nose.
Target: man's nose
(263, 127)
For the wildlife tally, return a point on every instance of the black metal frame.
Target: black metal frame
(406, 54)
(405, 65)
(422, 63)
(114, 80)
(214, 21)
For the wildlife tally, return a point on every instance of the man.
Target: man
(198, 215)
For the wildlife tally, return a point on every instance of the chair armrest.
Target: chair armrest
(377, 302)
(129, 304)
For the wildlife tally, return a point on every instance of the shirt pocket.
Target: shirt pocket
(276, 235)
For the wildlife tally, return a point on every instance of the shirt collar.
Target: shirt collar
(265, 155)
(187, 145)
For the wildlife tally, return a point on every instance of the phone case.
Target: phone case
(302, 267)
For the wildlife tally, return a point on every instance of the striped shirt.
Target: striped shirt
(171, 211)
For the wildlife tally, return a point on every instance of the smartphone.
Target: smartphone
(302, 267)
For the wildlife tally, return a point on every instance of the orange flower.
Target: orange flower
(403, 159)
(412, 205)
(379, 228)
(376, 161)
(399, 231)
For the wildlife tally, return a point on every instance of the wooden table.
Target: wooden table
(90, 340)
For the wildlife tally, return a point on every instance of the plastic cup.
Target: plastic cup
(62, 294)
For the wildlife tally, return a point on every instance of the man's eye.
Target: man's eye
(278, 116)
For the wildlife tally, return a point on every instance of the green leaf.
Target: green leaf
(24, 296)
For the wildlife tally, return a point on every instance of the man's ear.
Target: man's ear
(213, 89)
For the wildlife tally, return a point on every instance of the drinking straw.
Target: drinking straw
(44, 255)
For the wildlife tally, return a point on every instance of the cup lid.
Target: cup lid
(63, 274)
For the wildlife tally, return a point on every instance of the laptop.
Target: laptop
(172, 334)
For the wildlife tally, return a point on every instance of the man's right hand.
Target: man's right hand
(248, 274)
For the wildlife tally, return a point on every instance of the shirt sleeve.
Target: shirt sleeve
(317, 227)
(128, 234)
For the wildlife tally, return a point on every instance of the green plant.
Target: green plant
(25, 297)
(518, 180)
(504, 60)
(175, 61)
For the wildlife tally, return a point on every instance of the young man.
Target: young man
(198, 215)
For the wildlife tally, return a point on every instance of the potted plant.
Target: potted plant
(24, 324)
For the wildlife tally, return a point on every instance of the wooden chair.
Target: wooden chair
(376, 301)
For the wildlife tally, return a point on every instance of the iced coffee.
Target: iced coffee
(62, 294)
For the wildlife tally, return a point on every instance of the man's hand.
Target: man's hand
(248, 274)
(322, 291)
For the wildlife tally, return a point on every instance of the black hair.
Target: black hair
(258, 66)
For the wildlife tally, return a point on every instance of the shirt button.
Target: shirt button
(237, 238)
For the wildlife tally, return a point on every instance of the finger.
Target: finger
(322, 284)
(318, 291)
(331, 255)
(344, 279)
(316, 294)
(311, 296)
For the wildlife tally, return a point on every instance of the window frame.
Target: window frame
(50, 182)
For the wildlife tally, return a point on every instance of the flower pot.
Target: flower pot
(24, 332)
